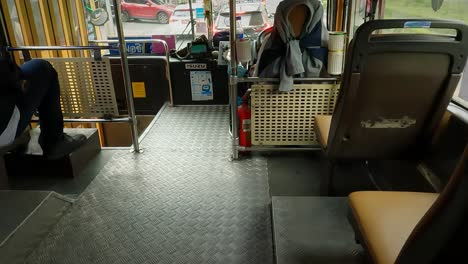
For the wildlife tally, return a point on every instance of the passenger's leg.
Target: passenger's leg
(41, 93)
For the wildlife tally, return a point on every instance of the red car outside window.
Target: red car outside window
(146, 9)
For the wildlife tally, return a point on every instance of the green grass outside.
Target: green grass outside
(451, 9)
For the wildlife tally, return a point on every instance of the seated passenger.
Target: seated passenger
(24, 90)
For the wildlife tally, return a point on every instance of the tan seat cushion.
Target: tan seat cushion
(322, 128)
(386, 219)
(297, 17)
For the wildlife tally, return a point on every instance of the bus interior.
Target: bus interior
(298, 132)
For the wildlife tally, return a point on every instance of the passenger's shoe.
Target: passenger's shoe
(65, 146)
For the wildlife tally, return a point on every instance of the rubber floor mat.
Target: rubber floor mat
(181, 201)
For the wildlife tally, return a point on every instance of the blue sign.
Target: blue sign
(132, 47)
(418, 24)
(200, 12)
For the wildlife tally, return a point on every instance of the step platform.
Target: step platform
(31, 163)
(27, 217)
(3, 175)
(313, 230)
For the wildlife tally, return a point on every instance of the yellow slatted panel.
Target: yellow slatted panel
(54, 22)
(9, 26)
(96, 29)
(288, 119)
(66, 25)
(82, 25)
(49, 31)
(34, 29)
(51, 28)
(71, 27)
(25, 25)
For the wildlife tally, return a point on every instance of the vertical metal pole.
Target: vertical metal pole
(4, 37)
(192, 21)
(126, 76)
(382, 9)
(233, 79)
(109, 26)
(209, 21)
(168, 73)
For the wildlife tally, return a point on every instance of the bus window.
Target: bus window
(58, 22)
(461, 95)
(449, 9)
(13, 16)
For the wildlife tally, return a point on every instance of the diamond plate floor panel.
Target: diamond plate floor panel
(313, 230)
(181, 201)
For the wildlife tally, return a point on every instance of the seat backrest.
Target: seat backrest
(395, 88)
(300, 20)
(297, 18)
(441, 236)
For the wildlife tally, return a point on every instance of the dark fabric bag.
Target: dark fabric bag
(9, 89)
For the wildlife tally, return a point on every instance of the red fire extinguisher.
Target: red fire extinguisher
(243, 111)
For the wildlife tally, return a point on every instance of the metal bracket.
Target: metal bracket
(97, 55)
(233, 80)
(140, 151)
(26, 55)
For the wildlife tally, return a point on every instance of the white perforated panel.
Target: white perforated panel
(288, 118)
(86, 87)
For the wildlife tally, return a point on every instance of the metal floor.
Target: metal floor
(15, 207)
(314, 230)
(181, 201)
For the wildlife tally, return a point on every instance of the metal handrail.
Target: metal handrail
(259, 79)
(167, 53)
(27, 56)
(266, 148)
(74, 120)
(132, 120)
(101, 120)
(126, 75)
(92, 120)
(27, 48)
(233, 79)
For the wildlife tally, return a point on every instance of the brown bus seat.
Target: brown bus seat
(386, 219)
(410, 227)
(394, 92)
(297, 18)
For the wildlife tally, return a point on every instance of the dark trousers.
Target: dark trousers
(41, 93)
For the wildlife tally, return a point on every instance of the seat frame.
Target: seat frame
(440, 223)
(343, 145)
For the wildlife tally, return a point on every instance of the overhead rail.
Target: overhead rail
(25, 50)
